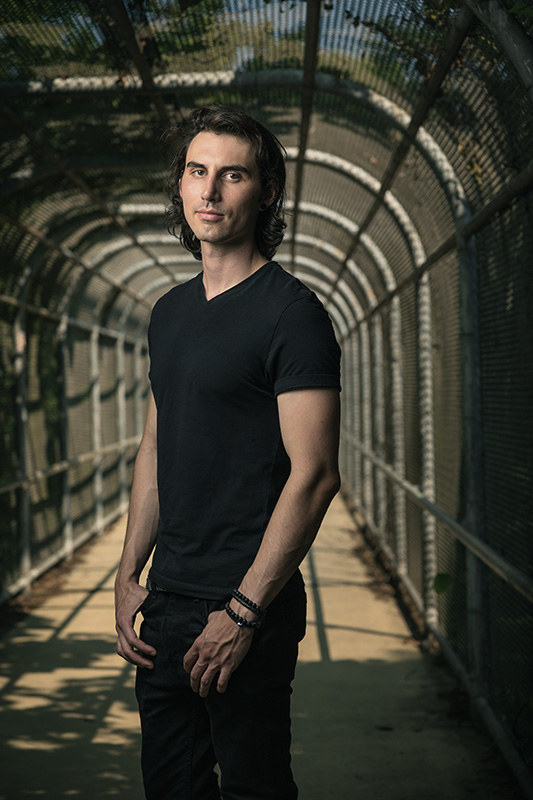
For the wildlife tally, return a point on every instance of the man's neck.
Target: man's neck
(222, 270)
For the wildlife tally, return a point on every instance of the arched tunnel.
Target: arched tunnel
(409, 129)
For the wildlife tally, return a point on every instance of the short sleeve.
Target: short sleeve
(304, 352)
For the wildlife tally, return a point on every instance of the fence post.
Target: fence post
(427, 444)
(137, 361)
(21, 411)
(121, 403)
(472, 477)
(378, 406)
(356, 493)
(96, 428)
(366, 422)
(398, 436)
(68, 532)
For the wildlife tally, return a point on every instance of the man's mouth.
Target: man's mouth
(209, 215)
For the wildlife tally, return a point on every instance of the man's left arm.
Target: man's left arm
(309, 422)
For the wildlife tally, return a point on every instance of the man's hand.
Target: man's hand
(218, 650)
(128, 600)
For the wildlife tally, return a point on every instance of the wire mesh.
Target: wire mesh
(361, 134)
(109, 383)
(452, 601)
(447, 384)
(419, 189)
(9, 463)
(506, 342)
(75, 155)
(82, 500)
(11, 550)
(510, 639)
(46, 524)
(110, 466)
(78, 389)
(482, 118)
(43, 428)
(390, 238)
(387, 46)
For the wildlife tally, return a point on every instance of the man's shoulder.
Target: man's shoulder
(177, 294)
(288, 287)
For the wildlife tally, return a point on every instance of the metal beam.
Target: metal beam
(517, 186)
(39, 311)
(448, 55)
(62, 167)
(312, 29)
(510, 34)
(514, 576)
(67, 253)
(123, 24)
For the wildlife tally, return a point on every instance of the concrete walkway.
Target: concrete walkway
(373, 717)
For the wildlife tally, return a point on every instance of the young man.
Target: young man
(236, 468)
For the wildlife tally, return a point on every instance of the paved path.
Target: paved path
(373, 717)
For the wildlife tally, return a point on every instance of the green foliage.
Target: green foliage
(441, 582)
(522, 9)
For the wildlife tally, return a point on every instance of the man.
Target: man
(236, 468)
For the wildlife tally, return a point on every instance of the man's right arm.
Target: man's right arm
(140, 539)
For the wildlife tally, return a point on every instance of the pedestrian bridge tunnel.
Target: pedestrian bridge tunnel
(408, 128)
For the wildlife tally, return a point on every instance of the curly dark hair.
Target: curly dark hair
(270, 157)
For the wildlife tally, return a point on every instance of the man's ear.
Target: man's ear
(266, 200)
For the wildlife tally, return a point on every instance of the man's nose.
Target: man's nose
(210, 189)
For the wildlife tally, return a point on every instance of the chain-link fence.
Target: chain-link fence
(409, 132)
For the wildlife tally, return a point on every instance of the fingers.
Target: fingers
(129, 599)
(202, 676)
(223, 680)
(135, 651)
(202, 671)
(191, 657)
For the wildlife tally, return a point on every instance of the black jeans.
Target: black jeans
(246, 729)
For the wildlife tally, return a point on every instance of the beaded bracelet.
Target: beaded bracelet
(249, 604)
(241, 621)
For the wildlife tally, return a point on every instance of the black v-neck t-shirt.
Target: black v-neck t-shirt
(216, 368)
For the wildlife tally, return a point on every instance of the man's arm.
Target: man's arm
(140, 539)
(309, 421)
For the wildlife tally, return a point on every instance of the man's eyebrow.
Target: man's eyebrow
(228, 168)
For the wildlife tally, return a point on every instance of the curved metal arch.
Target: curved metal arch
(85, 265)
(400, 119)
(424, 141)
(93, 264)
(380, 261)
(361, 176)
(45, 244)
(337, 254)
(349, 306)
(326, 247)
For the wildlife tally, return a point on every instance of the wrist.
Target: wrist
(250, 605)
(248, 622)
(126, 581)
(244, 611)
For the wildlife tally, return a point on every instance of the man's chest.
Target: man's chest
(208, 355)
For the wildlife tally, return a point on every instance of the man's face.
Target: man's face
(220, 189)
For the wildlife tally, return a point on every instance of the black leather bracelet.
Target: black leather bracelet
(249, 604)
(241, 621)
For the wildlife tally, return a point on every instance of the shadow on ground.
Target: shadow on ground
(70, 730)
(373, 718)
(69, 722)
(374, 730)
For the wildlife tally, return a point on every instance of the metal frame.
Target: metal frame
(361, 327)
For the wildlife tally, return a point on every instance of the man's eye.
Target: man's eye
(233, 176)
